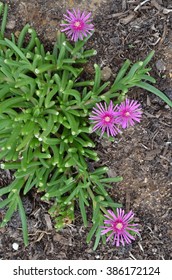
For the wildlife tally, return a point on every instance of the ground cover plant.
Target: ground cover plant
(46, 113)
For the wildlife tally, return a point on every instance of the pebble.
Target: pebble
(97, 257)
(160, 65)
(106, 73)
(15, 246)
(11, 24)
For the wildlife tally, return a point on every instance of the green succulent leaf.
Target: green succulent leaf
(11, 209)
(122, 71)
(148, 58)
(5, 202)
(92, 231)
(23, 220)
(156, 91)
(83, 210)
(111, 180)
(97, 78)
(3, 8)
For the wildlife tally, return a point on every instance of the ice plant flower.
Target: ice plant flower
(128, 113)
(78, 25)
(119, 227)
(103, 119)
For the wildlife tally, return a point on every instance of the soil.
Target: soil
(142, 155)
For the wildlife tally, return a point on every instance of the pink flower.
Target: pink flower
(78, 25)
(103, 118)
(119, 226)
(128, 112)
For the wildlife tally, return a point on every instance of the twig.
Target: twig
(156, 42)
(127, 201)
(163, 35)
(131, 255)
(117, 15)
(38, 231)
(165, 158)
(153, 138)
(141, 4)
(140, 245)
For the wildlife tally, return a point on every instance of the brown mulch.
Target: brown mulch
(142, 155)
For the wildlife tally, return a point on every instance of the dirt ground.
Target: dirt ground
(142, 155)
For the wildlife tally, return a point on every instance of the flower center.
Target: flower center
(107, 119)
(119, 226)
(127, 114)
(78, 25)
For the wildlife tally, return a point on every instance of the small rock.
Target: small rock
(160, 65)
(97, 257)
(106, 73)
(89, 250)
(11, 24)
(154, 250)
(111, 172)
(115, 40)
(59, 238)
(15, 246)
(105, 143)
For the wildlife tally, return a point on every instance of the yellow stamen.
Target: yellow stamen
(77, 24)
(107, 119)
(119, 226)
(127, 114)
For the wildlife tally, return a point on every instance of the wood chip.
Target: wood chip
(160, 8)
(127, 19)
(61, 239)
(48, 222)
(124, 5)
(167, 11)
(156, 5)
(148, 101)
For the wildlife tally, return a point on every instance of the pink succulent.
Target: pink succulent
(78, 25)
(103, 117)
(128, 112)
(119, 227)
